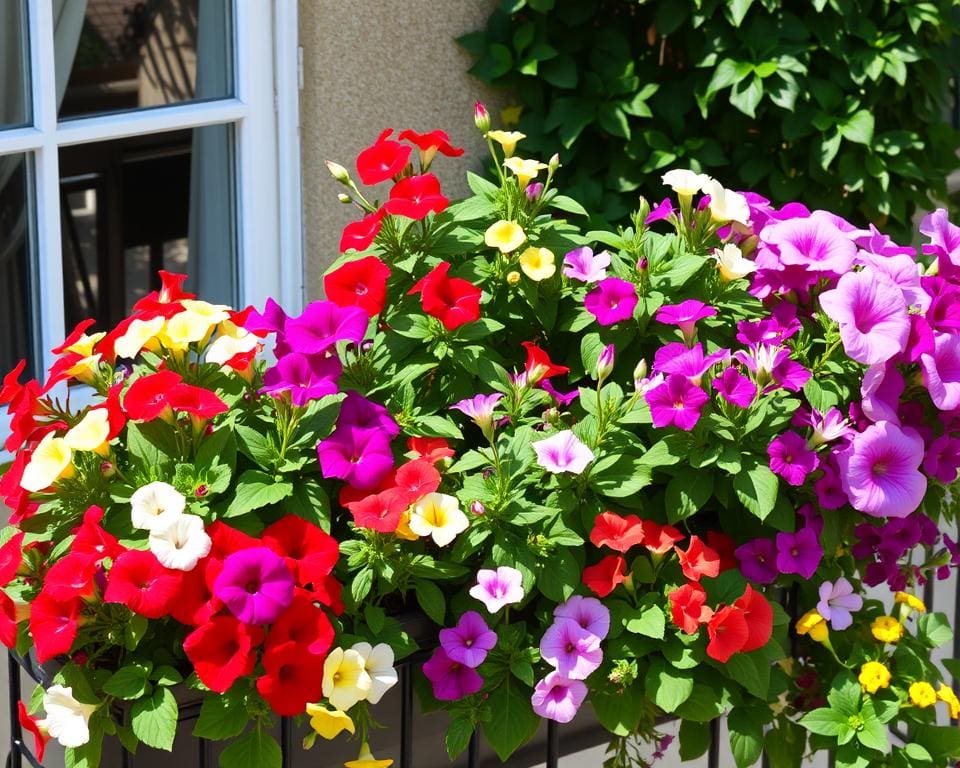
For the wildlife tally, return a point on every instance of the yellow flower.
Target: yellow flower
(922, 695)
(524, 170)
(511, 115)
(51, 461)
(506, 139)
(345, 678)
(185, 328)
(138, 335)
(85, 344)
(85, 369)
(513, 277)
(439, 516)
(886, 629)
(912, 601)
(91, 433)
(538, 263)
(874, 676)
(226, 347)
(947, 695)
(329, 723)
(403, 527)
(813, 624)
(367, 760)
(507, 236)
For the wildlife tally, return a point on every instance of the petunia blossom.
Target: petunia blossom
(450, 679)
(837, 602)
(569, 648)
(588, 612)
(498, 588)
(469, 642)
(563, 452)
(941, 371)
(255, 584)
(735, 388)
(558, 698)
(814, 243)
(685, 316)
(611, 301)
(799, 552)
(677, 401)
(791, 458)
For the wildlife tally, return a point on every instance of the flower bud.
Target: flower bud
(640, 372)
(344, 198)
(605, 363)
(338, 172)
(107, 469)
(477, 508)
(481, 118)
(513, 277)
(534, 191)
(553, 163)
(643, 265)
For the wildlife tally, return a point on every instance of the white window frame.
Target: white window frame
(265, 116)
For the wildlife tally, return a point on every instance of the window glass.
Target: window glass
(16, 279)
(132, 207)
(14, 74)
(134, 55)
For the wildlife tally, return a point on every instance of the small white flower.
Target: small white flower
(156, 506)
(726, 205)
(182, 545)
(685, 182)
(67, 719)
(732, 264)
(378, 661)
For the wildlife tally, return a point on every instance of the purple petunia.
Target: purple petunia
(676, 401)
(581, 264)
(588, 612)
(799, 552)
(480, 408)
(692, 363)
(838, 602)
(942, 459)
(758, 560)
(663, 210)
(450, 679)
(358, 412)
(880, 391)
(685, 316)
(305, 377)
(558, 698)
(941, 371)
(469, 642)
(571, 649)
(735, 388)
(612, 301)
(359, 457)
(322, 324)
(791, 458)
(815, 243)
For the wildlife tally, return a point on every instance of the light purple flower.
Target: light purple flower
(685, 316)
(758, 560)
(872, 314)
(880, 391)
(677, 401)
(360, 413)
(572, 650)
(581, 264)
(558, 698)
(469, 642)
(496, 589)
(611, 301)
(692, 363)
(791, 458)
(255, 584)
(450, 679)
(799, 552)
(322, 325)
(533, 191)
(941, 371)
(829, 426)
(903, 271)
(605, 362)
(814, 243)
(944, 240)
(838, 602)
(563, 452)
(735, 388)
(480, 408)
(360, 457)
(305, 377)
(588, 612)
(880, 470)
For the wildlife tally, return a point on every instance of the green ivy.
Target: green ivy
(840, 103)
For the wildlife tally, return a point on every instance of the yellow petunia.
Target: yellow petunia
(874, 676)
(329, 723)
(538, 263)
(922, 695)
(946, 694)
(439, 516)
(91, 433)
(912, 601)
(367, 760)
(138, 335)
(525, 170)
(813, 624)
(886, 629)
(403, 527)
(85, 344)
(511, 115)
(85, 369)
(506, 236)
(51, 461)
(345, 678)
(506, 139)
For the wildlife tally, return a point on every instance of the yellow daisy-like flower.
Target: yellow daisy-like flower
(511, 115)
(874, 676)
(538, 263)
(506, 236)
(946, 694)
(506, 139)
(922, 695)
(367, 760)
(525, 170)
(91, 433)
(329, 723)
(886, 629)
(52, 460)
(912, 601)
(813, 624)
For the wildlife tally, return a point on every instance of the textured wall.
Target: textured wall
(372, 64)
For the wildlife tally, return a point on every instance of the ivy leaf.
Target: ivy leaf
(154, 719)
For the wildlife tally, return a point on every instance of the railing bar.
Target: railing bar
(928, 592)
(203, 753)
(13, 691)
(553, 744)
(831, 759)
(713, 756)
(473, 751)
(286, 742)
(406, 717)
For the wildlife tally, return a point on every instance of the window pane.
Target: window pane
(134, 55)
(135, 206)
(16, 293)
(14, 75)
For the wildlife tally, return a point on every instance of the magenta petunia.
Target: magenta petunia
(359, 412)
(829, 489)
(305, 377)
(581, 264)
(685, 316)
(942, 459)
(829, 426)
(941, 371)
(480, 409)
(735, 388)
(360, 457)
(322, 324)
(255, 584)
(611, 301)
(562, 398)
(450, 679)
(692, 363)
(872, 314)
(663, 210)
(880, 391)
(588, 612)
(469, 642)
(880, 470)
(758, 560)
(799, 552)
(677, 401)
(944, 240)
(558, 698)
(791, 458)
(773, 367)
(815, 243)
(571, 649)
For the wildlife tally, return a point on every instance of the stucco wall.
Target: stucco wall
(373, 64)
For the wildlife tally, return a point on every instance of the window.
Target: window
(137, 135)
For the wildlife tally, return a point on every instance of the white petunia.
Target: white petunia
(182, 545)
(684, 182)
(156, 506)
(732, 264)
(438, 515)
(67, 719)
(378, 661)
(726, 205)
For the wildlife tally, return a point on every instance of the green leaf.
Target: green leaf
(694, 739)
(222, 716)
(934, 630)
(256, 749)
(568, 204)
(737, 10)
(154, 719)
(619, 711)
(560, 72)
(361, 584)
(512, 721)
(647, 619)
(858, 127)
(152, 445)
(430, 598)
(785, 745)
(746, 95)
(129, 682)
(668, 687)
(458, 736)
(255, 490)
(756, 487)
(746, 736)
(686, 493)
(751, 670)
(824, 721)
(257, 444)
(829, 146)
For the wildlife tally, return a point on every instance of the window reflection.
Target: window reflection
(16, 327)
(14, 82)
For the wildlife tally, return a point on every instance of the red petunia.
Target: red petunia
(383, 159)
(90, 538)
(724, 546)
(659, 539)
(293, 678)
(430, 143)
(23, 410)
(698, 560)
(302, 623)
(416, 197)
(361, 283)
(138, 581)
(688, 607)
(759, 615)
(310, 552)
(198, 402)
(539, 366)
(29, 724)
(616, 532)
(604, 577)
(116, 418)
(433, 449)
(8, 621)
(166, 301)
(380, 511)
(53, 625)
(197, 604)
(59, 370)
(225, 540)
(74, 336)
(417, 478)
(328, 592)
(17, 499)
(10, 387)
(728, 633)
(11, 557)
(359, 235)
(223, 650)
(71, 576)
(452, 300)
(146, 399)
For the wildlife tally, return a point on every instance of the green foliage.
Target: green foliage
(838, 103)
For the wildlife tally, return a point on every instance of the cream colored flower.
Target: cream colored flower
(506, 139)
(506, 236)
(138, 335)
(85, 344)
(538, 263)
(439, 516)
(182, 545)
(51, 461)
(85, 369)
(67, 719)
(524, 170)
(731, 263)
(345, 678)
(684, 182)
(726, 205)
(226, 347)
(90, 433)
(156, 506)
(378, 662)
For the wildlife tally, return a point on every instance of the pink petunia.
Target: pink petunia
(942, 459)
(612, 301)
(581, 264)
(815, 243)
(685, 316)
(880, 392)
(941, 372)
(791, 458)
(558, 698)
(735, 388)
(677, 401)
(572, 650)
(692, 363)
(563, 452)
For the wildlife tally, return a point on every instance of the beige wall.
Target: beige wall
(375, 64)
